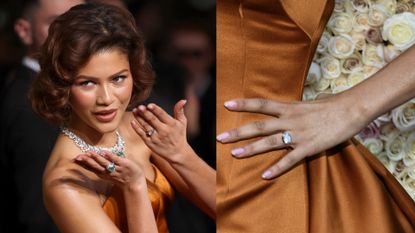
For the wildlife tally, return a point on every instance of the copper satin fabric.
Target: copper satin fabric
(264, 49)
(160, 193)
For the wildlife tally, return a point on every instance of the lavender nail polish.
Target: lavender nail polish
(223, 136)
(230, 104)
(266, 175)
(237, 151)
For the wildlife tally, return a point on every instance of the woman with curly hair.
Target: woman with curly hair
(111, 170)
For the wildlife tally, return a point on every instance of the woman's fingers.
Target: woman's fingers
(272, 142)
(284, 164)
(89, 162)
(264, 106)
(254, 129)
(149, 118)
(162, 115)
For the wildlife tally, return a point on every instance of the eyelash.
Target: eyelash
(116, 79)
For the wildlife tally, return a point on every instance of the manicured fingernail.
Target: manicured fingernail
(150, 106)
(266, 175)
(237, 151)
(230, 104)
(142, 108)
(78, 158)
(222, 136)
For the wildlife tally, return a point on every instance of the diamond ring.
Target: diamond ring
(111, 167)
(149, 132)
(286, 138)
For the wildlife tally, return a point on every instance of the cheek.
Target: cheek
(125, 92)
(81, 100)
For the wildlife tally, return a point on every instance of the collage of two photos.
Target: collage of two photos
(203, 116)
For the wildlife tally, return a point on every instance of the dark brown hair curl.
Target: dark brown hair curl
(73, 38)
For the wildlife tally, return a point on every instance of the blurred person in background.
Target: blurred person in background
(25, 139)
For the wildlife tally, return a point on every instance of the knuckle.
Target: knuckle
(262, 103)
(234, 132)
(259, 125)
(271, 140)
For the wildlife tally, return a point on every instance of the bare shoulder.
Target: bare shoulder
(69, 188)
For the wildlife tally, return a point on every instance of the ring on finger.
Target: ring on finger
(111, 167)
(149, 132)
(286, 138)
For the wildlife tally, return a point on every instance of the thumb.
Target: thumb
(179, 111)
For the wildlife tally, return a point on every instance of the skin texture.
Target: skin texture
(74, 180)
(32, 29)
(344, 115)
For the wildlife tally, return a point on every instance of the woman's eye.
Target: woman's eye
(119, 78)
(86, 83)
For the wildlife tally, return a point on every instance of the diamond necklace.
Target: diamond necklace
(117, 149)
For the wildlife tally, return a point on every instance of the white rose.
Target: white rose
(355, 77)
(403, 117)
(314, 74)
(403, 7)
(377, 15)
(352, 63)
(323, 43)
(395, 148)
(390, 52)
(330, 67)
(385, 118)
(338, 84)
(390, 6)
(374, 145)
(309, 93)
(369, 70)
(400, 30)
(389, 164)
(339, 89)
(373, 56)
(341, 46)
(360, 5)
(359, 40)
(361, 22)
(339, 6)
(340, 23)
(322, 85)
(409, 159)
(388, 131)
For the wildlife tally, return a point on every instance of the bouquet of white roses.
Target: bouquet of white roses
(360, 38)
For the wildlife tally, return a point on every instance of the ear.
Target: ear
(23, 29)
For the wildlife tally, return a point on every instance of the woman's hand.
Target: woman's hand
(126, 173)
(163, 134)
(313, 126)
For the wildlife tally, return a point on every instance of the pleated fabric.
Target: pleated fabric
(264, 50)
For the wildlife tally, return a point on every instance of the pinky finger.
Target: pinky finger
(138, 129)
(284, 164)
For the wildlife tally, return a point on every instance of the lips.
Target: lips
(105, 115)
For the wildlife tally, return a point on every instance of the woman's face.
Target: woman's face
(101, 92)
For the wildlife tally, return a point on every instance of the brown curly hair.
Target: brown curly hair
(73, 38)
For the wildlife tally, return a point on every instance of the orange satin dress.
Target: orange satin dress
(160, 193)
(264, 50)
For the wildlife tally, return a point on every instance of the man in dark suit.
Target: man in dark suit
(26, 140)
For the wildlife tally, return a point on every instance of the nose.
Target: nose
(105, 95)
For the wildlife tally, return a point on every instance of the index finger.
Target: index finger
(160, 113)
(264, 106)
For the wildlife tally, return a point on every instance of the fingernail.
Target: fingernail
(237, 151)
(230, 104)
(222, 136)
(78, 158)
(150, 106)
(266, 175)
(142, 108)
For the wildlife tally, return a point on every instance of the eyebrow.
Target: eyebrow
(92, 77)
